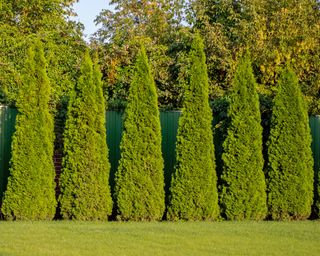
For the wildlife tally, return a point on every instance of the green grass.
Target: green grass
(192, 238)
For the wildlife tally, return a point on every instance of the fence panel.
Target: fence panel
(315, 131)
(169, 125)
(114, 125)
(7, 127)
(169, 128)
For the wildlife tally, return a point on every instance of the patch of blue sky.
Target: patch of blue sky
(87, 11)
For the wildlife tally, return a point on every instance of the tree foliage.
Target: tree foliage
(273, 31)
(48, 19)
(31, 188)
(194, 194)
(243, 194)
(290, 162)
(156, 24)
(139, 184)
(85, 191)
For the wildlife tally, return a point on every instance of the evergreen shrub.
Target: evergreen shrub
(139, 182)
(193, 191)
(85, 191)
(290, 161)
(243, 186)
(30, 193)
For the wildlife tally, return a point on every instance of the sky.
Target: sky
(87, 11)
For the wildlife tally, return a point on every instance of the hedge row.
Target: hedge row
(246, 190)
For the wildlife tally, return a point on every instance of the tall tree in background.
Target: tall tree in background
(85, 191)
(49, 20)
(274, 31)
(157, 24)
(290, 162)
(139, 184)
(194, 194)
(243, 194)
(30, 193)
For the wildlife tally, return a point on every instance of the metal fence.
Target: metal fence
(7, 123)
(169, 125)
(315, 131)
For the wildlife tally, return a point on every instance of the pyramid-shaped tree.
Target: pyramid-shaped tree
(290, 162)
(317, 196)
(85, 191)
(243, 194)
(30, 192)
(193, 191)
(139, 184)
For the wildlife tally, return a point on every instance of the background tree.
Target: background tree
(290, 162)
(139, 184)
(85, 192)
(273, 31)
(49, 20)
(193, 188)
(243, 194)
(158, 25)
(30, 192)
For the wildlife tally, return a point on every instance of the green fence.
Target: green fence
(7, 122)
(315, 131)
(169, 126)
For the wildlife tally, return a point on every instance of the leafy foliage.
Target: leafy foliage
(194, 194)
(156, 24)
(85, 192)
(19, 21)
(139, 184)
(290, 162)
(243, 194)
(273, 31)
(30, 193)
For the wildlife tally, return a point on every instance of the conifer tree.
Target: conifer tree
(193, 191)
(30, 193)
(317, 202)
(139, 184)
(290, 162)
(85, 191)
(243, 194)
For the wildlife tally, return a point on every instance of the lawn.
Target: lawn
(165, 238)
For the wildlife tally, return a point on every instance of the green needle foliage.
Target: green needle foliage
(139, 184)
(85, 191)
(30, 193)
(194, 194)
(290, 165)
(243, 194)
(317, 203)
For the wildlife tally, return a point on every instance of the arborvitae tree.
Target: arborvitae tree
(193, 191)
(139, 184)
(243, 194)
(85, 191)
(290, 161)
(317, 203)
(30, 193)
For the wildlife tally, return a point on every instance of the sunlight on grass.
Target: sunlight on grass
(165, 238)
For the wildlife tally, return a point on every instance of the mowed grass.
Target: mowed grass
(159, 238)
